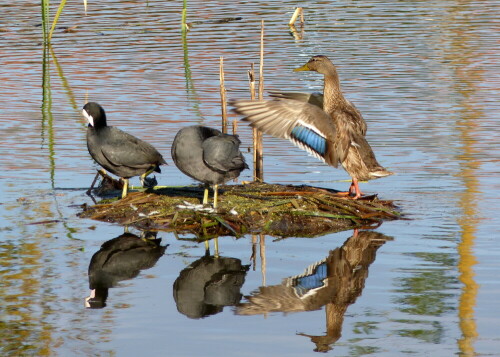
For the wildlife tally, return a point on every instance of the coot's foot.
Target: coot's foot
(149, 182)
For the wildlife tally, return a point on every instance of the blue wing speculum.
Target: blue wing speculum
(309, 139)
(314, 277)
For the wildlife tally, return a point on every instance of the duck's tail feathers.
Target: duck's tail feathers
(380, 173)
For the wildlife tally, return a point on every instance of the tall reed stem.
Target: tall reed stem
(223, 101)
(255, 131)
(258, 145)
(45, 20)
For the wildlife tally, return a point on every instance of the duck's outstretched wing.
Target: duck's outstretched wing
(305, 125)
(315, 98)
(356, 120)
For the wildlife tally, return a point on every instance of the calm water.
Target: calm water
(425, 76)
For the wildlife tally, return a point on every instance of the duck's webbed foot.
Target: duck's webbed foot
(354, 189)
(353, 192)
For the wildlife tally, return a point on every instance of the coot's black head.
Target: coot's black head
(94, 114)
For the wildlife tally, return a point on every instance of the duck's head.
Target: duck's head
(320, 64)
(94, 114)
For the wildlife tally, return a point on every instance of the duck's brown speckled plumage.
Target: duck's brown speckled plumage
(331, 115)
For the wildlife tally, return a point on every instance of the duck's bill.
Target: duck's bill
(303, 68)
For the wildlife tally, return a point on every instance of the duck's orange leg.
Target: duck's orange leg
(354, 189)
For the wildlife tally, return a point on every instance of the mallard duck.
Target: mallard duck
(329, 127)
(118, 152)
(209, 156)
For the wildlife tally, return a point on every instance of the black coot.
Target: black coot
(117, 151)
(207, 155)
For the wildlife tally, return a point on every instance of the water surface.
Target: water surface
(425, 77)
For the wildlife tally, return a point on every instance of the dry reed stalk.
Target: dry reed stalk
(235, 126)
(298, 11)
(251, 81)
(261, 66)
(258, 148)
(223, 99)
(255, 131)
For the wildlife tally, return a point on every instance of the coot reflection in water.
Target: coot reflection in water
(334, 282)
(118, 152)
(119, 259)
(209, 284)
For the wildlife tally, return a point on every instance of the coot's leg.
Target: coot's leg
(205, 195)
(144, 181)
(101, 172)
(125, 187)
(216, 195)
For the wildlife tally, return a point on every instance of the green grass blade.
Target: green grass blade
(59, 11)
(45, 19)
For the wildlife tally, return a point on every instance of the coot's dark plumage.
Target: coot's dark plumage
(117, 151)
(329, 126)
(207, 155)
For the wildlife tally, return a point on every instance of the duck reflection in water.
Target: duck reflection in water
(334, 282)
(121, 258)
(208, 284)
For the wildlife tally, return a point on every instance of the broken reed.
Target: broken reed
(298, 12)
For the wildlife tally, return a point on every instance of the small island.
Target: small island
(255, 208)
